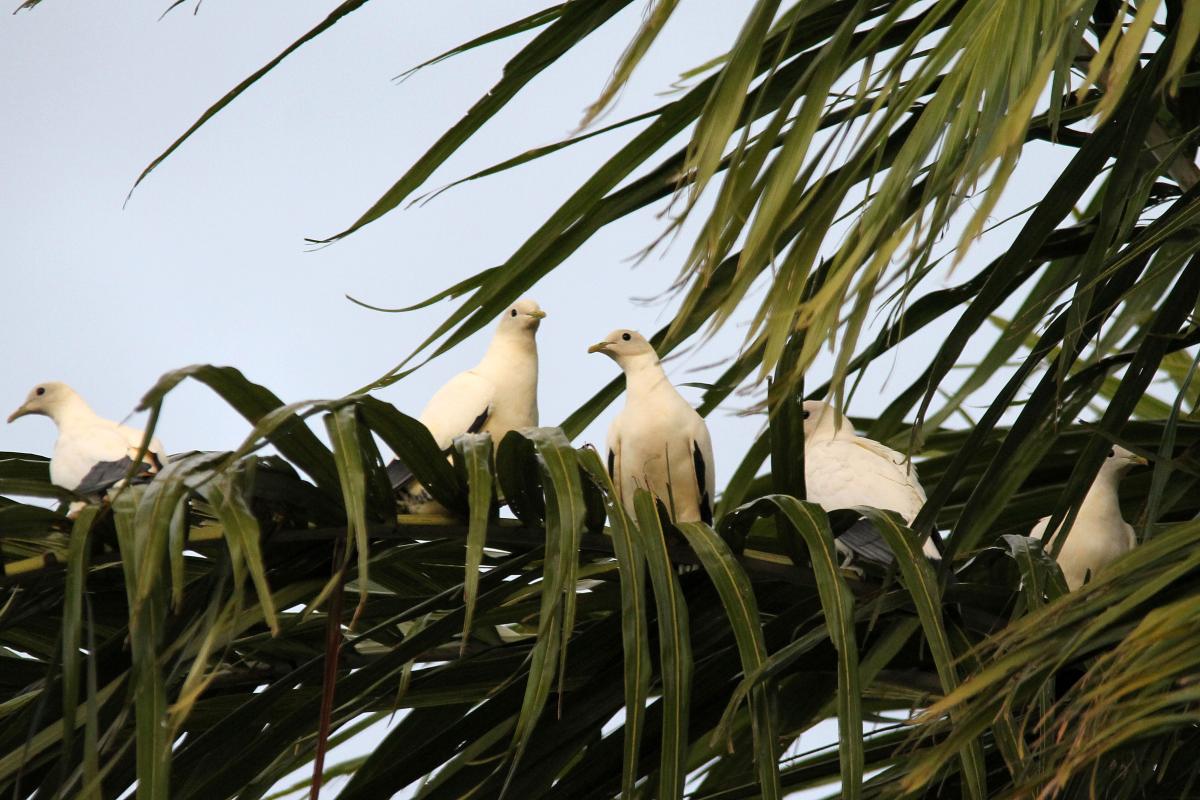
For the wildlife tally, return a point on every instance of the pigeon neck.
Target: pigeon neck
(1102, 497)
(509, 352)
(842, 430)
(71, 412)
(828, 429)
(643, 374)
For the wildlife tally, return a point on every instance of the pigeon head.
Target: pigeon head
(522, 316)
(822, 421)
(48, 399)
(624, 347)
(1119, 460)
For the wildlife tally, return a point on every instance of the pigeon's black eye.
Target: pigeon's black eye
(1112, 453)
(514, 312)
(806, 413)
(626, 336)
(41, 390)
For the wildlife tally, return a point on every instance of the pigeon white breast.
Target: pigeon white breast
(496, 396)
(658, 442)
(92, 454)
(843, 469)
(1099, 534)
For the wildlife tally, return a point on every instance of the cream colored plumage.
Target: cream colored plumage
(92, 453)
(496, 396)
(500, 393)
(658, 441)
(844, 470)
(1099, 534)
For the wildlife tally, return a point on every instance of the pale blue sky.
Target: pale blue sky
(207, 262)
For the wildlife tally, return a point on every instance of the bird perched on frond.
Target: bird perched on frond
(1099, 534)
(92, 454)
(843, 470)
(658, 442)
(496, 396)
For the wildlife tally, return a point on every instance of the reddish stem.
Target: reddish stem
(333, 649)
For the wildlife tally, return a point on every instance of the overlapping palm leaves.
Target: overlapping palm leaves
(521, 676)
(195, 639)
(161, 649)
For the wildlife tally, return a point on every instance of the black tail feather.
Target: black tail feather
(398, 473)
(863, 541)
(104, 474)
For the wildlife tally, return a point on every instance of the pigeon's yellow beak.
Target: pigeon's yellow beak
(20, 412)
(539, 314)
(599, 347)
(1141, 461)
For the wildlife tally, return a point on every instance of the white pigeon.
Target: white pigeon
(92, 454)
(1099, 534)
(658, 442)
(843, 469)
(496, 396)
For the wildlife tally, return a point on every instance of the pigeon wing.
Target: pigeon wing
(155, 453)
(844, 474)
(706, 474)
(104, 474)
(893, 466)
(463, 405)
(90, 460)
(613, 444)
